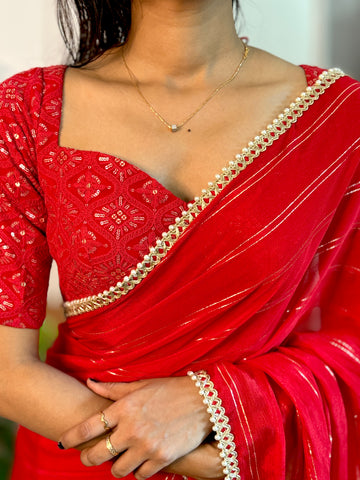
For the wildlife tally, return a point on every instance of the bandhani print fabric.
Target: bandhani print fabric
(253, 286)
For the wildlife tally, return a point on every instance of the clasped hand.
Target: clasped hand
(153, 423)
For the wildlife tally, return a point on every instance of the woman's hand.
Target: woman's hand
(154, 422)
(203, 463)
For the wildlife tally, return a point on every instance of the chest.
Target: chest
(120, 124)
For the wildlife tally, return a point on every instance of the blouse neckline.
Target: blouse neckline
(312, 75)
(175, 231)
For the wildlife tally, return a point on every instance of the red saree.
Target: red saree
(257, 285)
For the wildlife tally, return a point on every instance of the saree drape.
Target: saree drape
(262, 292)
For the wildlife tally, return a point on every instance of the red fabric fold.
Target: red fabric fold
(262, 292)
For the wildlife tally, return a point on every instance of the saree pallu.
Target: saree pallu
(261, 291)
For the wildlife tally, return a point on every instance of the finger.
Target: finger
(158, 460)
(187, 464)
(92, 427)
(111, 390)
(127, 463)
(204, 461)
(150, 468)
(102, 451)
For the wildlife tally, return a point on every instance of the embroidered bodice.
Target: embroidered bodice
(96, 215)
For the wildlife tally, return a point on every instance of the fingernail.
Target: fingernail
(94, 380)
(61, 446)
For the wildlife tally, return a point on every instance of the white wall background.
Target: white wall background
(344, 40)
(296, 30)
(29, 35)
(319, 32)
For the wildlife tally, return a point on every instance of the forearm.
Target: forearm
(46, 400)
(202, 463)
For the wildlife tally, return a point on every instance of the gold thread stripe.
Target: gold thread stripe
(240, 406)
(260, 143)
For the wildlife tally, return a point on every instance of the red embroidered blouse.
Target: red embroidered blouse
(96, 215)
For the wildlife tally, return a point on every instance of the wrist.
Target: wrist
(197, 406)
(220, 421)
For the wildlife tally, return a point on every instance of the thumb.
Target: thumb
(111, 390)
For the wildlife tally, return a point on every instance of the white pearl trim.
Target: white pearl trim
(221, 426)
(260, 143)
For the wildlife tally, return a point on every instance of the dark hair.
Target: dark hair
(90, 27)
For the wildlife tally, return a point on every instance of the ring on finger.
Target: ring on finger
(110, 447)
(104, 421)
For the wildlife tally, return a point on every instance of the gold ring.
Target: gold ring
(104, 421)
(110, 447)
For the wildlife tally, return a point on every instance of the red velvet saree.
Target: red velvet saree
(259, 286)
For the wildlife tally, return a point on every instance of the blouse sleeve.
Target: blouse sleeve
(24, 255)
(294, 412)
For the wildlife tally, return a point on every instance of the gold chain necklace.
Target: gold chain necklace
(176, 127)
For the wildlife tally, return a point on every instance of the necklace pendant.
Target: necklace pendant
(174, 128)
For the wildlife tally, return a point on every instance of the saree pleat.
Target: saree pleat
(261, 291)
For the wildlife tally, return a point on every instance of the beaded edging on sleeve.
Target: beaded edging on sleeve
(221, 426)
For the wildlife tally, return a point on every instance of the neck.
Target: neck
(179, 40)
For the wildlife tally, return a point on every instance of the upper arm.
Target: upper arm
(24, 255)
(17, 346)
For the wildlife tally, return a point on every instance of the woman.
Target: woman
(252, 285)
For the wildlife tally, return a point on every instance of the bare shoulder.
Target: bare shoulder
(104, 68)
(83, 83)
(272, 81)
(267, 69)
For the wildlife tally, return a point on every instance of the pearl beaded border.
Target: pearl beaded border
(221, 426)
(260, 143)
